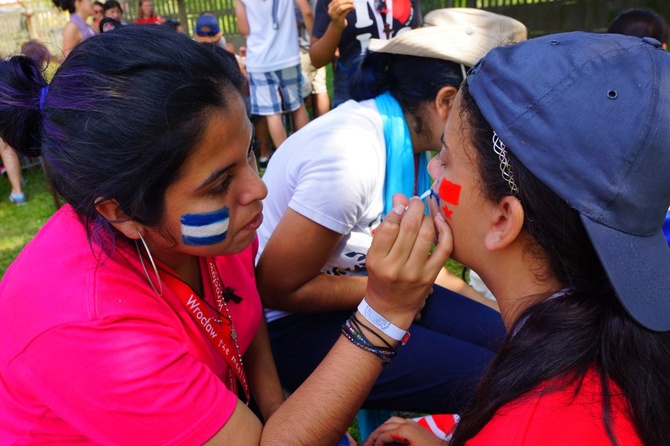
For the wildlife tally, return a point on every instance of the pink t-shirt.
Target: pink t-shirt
(89, 353)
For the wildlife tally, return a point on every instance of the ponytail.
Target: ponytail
(21, 86)
(412, 80)
(372, 77)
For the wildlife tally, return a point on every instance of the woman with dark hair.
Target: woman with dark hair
(146, 15)
(561, 216)
(76, 29)
(132, 317)
(329, 188)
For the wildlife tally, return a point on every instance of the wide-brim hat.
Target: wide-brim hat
(587, 114)
(460, 35)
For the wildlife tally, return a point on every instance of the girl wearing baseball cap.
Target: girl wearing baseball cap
(553, 179)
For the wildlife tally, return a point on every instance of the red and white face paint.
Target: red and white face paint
(447, 195)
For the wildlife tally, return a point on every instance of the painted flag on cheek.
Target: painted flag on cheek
(449, 193)
(205, 229)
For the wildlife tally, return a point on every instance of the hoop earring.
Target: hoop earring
(151, 259)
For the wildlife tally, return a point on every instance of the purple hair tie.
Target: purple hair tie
(43, 96)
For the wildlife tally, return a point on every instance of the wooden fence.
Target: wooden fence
(39, 19)
(187, 11)
(32, 19)
(552, 16)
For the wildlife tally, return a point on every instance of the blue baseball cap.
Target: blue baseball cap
(207, 26)
(589, 115)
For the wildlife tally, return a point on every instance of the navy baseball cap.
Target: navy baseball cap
(207, 25)
(589, 115)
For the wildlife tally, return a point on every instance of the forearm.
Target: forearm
(322, 293)
(299, 284)
(320, 410)
(307, 14)
(309, 22)
(342, 381)
(242, 21)
(322, 50)
(262, 374)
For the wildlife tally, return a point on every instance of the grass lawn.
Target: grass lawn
(21, 223)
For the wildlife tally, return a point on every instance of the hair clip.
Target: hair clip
(505, 168)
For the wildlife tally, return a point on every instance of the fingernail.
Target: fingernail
(441, 217)
(400, 209)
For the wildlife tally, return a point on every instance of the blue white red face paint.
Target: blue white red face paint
(448, 194)
(205, 229)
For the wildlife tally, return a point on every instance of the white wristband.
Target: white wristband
(381, 322)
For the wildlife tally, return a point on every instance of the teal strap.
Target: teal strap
(399, 153)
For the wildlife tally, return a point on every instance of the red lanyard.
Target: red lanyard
(223, 340)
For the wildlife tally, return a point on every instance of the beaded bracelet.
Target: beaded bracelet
(356, 336)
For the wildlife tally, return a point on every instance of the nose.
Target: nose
(254, 188)
(433, 169)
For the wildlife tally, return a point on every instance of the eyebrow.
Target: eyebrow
(213, 177)
(252, 140)
(445, 148)
(220, 172)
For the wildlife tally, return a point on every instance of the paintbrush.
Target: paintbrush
(425, 194)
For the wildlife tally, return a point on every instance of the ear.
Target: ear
(112, 212)
(444, 101)
(506, 223)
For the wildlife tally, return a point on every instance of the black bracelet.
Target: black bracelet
(356, 336)
(358, 324)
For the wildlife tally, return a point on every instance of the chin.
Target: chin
(239, 243)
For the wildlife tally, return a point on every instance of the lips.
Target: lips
(255, 223)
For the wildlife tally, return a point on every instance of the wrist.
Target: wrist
(401, 315)
(338, 25)
(353, 329)
(383, 325)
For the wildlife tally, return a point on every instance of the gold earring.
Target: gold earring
(151, 259)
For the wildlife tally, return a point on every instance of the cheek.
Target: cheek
(205, 229)
(445, 195)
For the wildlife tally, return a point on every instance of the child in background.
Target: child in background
(98, 14)
(113, 10)
(12, 167)
(146, 15)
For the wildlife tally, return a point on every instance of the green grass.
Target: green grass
(21, 223)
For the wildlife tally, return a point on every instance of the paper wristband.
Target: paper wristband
(381, 322)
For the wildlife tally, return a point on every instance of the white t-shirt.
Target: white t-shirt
(332, 172)
(270, 49)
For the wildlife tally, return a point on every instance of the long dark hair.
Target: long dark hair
(119, 118)
(568, 336)
(65, 5)
(413, 81)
